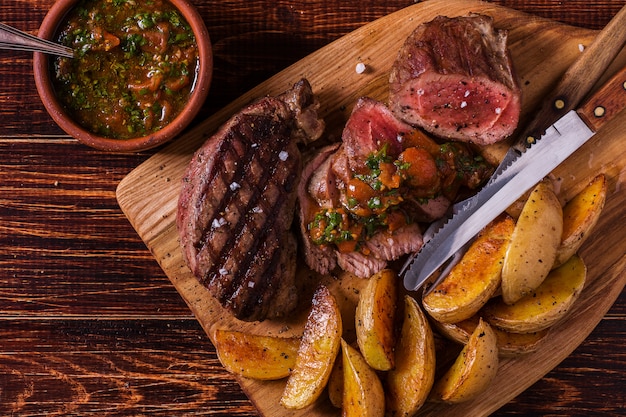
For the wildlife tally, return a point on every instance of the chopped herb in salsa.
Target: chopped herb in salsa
(135, 68)
(381, 194)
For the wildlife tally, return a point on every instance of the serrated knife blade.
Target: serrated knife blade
(559, 141)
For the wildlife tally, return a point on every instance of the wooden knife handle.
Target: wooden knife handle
(580, 77)
(606, 103)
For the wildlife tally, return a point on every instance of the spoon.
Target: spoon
(14, 39)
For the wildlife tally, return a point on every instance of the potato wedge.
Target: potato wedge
(410, 382)
(534, 243)
(580, 215)
(363, 394)
(509, 344)
(545, 306)
(473, 281)
(335, 384)
(473, 370)
(256, 356)
(321, 341)
(375, 318)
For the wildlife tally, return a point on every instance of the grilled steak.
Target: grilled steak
(237, 203)
(454, 78)
(361, 200)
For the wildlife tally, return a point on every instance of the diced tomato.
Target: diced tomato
(419, 139)
(389, 176)
(421, 168)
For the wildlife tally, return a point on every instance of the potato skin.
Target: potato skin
(410, 382)
(321, 341)
(548, 304)
(580, 216)
(474, 369)
(375, 319)
(509, 344)
(256, 356)
(534, 243)
(363, 394)
(473, 281)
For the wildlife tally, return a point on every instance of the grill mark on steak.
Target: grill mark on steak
(236, 250)
(237, 204)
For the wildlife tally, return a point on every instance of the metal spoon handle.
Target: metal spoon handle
(14, 39)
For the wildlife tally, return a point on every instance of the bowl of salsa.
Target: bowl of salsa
(140, 74)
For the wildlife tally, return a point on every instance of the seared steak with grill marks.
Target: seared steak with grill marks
(237, 204)
(454, 78)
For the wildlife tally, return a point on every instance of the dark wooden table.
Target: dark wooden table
(90, 325)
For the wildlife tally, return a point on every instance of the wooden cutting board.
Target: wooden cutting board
(542, 50)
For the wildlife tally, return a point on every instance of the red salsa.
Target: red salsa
(135, 68)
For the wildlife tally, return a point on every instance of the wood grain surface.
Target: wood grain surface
(90, 324)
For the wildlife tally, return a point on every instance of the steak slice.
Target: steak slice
(454, 78)
(237, 203)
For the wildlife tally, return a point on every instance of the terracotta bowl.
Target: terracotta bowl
(59, 114)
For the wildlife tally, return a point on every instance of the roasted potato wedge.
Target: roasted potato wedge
(410, 382)
(335, 383)
(473, 370)
(545, 306)
(375, 315)
(363, 394)
(580, 215)
(509, 344)
(321, 341)
(256, 356)
(534, 243)
(473, 281)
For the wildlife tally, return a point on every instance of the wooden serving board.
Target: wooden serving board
(542, 50)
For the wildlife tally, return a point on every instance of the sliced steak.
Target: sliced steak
(237, 203)
(454, 78)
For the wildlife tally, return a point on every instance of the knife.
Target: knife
(573, 86)
(558, 142)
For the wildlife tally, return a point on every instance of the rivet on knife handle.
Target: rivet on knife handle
(606, 103)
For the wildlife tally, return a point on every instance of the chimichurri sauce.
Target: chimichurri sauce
(135, 68)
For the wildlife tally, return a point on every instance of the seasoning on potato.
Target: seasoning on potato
(472, 282)
(410, 382)
(580, 215)
(534, 243)
(375, 320)
(473, 370)
(548, 304)
(256, 356)
(318, 350)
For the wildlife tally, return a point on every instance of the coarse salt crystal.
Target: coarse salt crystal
(360, 68)
(257, 209)
(581, 47)
(223, 271)
(420, 92)
(234, 186)
(467, 93)
(283, 155)
(463, 104)
(217, 223)
(250, 284)
(498, 110)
